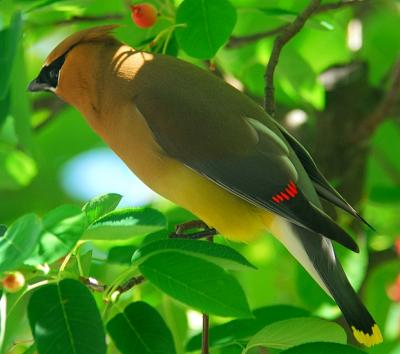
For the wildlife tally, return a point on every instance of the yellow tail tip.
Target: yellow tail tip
(368, 339)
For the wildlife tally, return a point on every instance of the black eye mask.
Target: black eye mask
(47, 79)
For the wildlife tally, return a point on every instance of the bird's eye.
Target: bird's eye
(53, 74)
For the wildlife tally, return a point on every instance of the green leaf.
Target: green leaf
(385, 194)
(64, 319)
(380, 43)
(41, 4)
(290, 16)
(208, 25)
(85, 260)
(9, 41)
(197, 283)
(298, 80)
(31, 350)
(288, 333)
(3, 319)
(4, 108)
(155, 236)
(16, 168)
(3, 229)
(19, 241)
(126, 223)
(326, 348)
(376, 298)
(63, 227)
(221, 255)
(141, 329)
(242, 329)
(20, 103)
(99, 206)
(121, 254)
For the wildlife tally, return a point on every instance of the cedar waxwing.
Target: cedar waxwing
(209, 148)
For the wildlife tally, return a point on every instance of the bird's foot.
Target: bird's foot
(181, 230)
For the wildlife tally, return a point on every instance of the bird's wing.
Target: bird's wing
(220, 134)
(321, 184)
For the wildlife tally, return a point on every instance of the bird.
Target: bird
(210, 149)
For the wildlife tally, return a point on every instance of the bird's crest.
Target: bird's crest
(87, 35)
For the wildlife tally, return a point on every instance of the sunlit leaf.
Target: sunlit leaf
(99, 206)
(62, 228)
(288, 333)
(207, 26)
(64, 319)
(3, 317)
(326, 348)
(19, 241)
(141, 329)
(221, 255)
(197, 283)
(126, 223)
(242, 329)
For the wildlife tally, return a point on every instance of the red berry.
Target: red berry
(144, 15)
(397, 246)
(393, 290)
(14, 282)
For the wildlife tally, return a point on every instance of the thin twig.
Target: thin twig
(382, 111)
(79, 19)
(181, 231)
(94, 285)
(206, 322)
(236, 42)
(131, 283)
(339, 5)
(204, 337)
(288, 33)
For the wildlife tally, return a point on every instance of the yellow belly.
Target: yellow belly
(230, 215)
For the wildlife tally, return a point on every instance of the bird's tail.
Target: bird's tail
(317, 256)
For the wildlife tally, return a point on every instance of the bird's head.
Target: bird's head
(69, 68)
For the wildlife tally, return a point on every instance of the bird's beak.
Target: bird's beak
(36, 86)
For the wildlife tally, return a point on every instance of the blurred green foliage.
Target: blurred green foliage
(49, 240)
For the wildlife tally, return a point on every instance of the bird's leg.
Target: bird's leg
(209, 233)
(181, 230)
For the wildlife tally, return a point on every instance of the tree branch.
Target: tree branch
(339, 5)
(236, 42)
(382, 111)
(96, 286)
(79, 19)
(288, 33)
